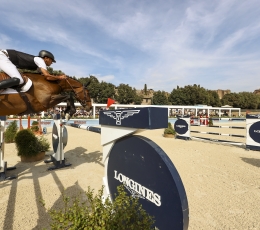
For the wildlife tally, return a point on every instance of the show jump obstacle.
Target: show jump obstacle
(182, 127)
(138, 163)
(3, 164)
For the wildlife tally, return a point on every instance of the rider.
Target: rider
(10, 60)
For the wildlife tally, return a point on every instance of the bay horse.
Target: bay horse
(43, 95)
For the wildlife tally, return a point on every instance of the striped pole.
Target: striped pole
(220, 134)
(89, 128)
(224, 126)
(231, 127)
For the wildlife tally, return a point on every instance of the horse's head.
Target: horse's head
(81, 93)
(83, 97)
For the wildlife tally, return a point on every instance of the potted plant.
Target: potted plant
(29, 147)
(169, 132)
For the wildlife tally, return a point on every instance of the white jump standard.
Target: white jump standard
(59, 141)
(3, 164)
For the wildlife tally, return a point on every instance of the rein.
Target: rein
(84, 102)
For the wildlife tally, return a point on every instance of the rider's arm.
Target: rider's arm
(42, 66)
(50, 77)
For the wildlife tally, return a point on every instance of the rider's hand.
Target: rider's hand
(61, 77)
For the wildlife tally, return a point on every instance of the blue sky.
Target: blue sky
(164, 43)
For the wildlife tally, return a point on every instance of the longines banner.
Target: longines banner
(147, 173)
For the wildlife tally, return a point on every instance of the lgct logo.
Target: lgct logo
(120, 115)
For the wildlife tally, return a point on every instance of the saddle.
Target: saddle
(20, 89)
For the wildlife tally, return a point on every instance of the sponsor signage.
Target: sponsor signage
(147, 173)
(141, 118)
(252, 116)
(254, 131)
(181, 126)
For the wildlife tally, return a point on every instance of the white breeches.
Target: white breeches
(8, 67)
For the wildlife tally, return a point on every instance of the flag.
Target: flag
(110, 102)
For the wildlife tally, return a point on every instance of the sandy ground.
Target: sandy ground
(222, 182)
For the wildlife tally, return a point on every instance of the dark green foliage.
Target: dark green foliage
(170, 129)
(27, 144)
(244, 100)
(107, 90)
(160, 98)
(34, 126)
(213, 98)
(11, 131)
(138, 98)
(189, 95)
(145, 89)
(100, 92)
(93, 87)
(44, 144)
(125, 94)
(92, 213)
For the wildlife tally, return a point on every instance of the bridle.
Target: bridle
(84, 89)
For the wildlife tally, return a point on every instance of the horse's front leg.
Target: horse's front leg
(71, 109)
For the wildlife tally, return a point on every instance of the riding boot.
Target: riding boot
(7, 83)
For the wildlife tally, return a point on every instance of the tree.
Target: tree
(138, 98)
(93, 87)
(145, 89)
(107, 90)
(213, 98)
(243, 100)
(160, 98)
(125, 94)
(192, 95)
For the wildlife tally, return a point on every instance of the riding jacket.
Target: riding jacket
(22, 60)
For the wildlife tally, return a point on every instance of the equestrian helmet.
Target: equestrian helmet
(45, 53)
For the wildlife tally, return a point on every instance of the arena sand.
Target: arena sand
(222, 182)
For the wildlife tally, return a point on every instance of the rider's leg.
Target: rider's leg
(7, 83)
(9, 68)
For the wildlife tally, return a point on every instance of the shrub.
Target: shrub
(11, 131)
(35, 127)
(94, 213)
(170, 129)
(27, 143)
(44, 144)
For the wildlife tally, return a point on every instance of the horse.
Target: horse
(44, 94)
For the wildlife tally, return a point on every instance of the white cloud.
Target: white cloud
(162, 44)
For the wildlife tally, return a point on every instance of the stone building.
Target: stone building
(222, 92)
(147, 98)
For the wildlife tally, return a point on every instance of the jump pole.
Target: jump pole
(252, 136)
(3, 164)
